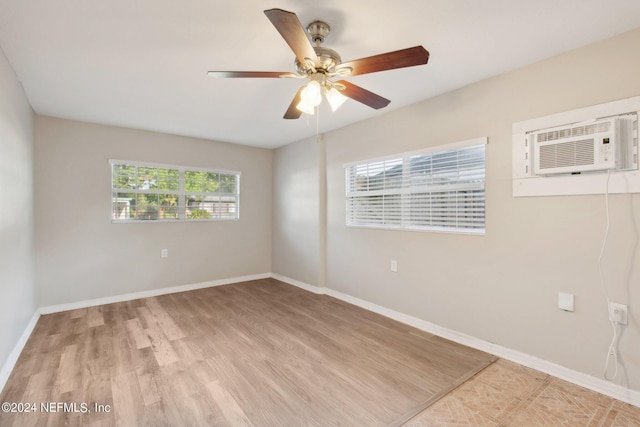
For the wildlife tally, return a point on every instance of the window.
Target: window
(142, 191)
(437, 190)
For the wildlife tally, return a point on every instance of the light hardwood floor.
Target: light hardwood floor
(256, 353)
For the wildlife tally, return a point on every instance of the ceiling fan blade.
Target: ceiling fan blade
(293, 112)
(244, 74)
(290, 28)
(410, 57)
(362, 95)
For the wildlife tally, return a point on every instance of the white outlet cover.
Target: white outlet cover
(622, 316)
(566, 301)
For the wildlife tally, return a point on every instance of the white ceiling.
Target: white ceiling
(143, 63)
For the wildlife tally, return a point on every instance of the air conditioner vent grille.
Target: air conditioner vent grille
(569, 132)
(573, 153)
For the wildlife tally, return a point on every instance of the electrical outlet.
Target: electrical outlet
(618, 313)
(164, 253)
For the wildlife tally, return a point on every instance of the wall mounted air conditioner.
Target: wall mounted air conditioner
(571, 152)
(599, 145)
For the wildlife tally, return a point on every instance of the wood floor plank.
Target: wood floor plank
(137, 334)
(69, 371)
(127, 400)
(259, 353)
(147, 371)
(94, 316)
(162, 349)
(231, 411)
(164, 320)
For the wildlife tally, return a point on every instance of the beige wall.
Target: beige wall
(502, 287)
(296, 210)
(81, 255)
(17, 285)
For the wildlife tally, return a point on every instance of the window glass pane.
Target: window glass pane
(204, 207)
(387, 174)
(123, 206)
(374, 175)
(357, 181)
(168, 206)
(391, 209)
(202, 182)
(445, 169)
(366, 210)
(393, 174)
(193, 181)
(123, 176)
(146, 206)
(168, 179)
(147, 178)
(420, 170)
(228, 183)
(227, 208)
(210, 182)
(200, 207)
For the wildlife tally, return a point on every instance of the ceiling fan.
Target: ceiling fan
(322, 66)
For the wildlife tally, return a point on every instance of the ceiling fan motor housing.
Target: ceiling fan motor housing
(328, 59)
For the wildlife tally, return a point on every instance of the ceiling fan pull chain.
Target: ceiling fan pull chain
(317, 123)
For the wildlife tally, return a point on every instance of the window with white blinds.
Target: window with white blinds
(144, 191)
(434, 190)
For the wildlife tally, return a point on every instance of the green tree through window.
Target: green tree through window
(157, 192)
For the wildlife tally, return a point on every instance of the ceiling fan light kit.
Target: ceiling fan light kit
(310, 97)
(321, 65)
(335, 98)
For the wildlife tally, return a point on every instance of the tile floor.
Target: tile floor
(508, 394)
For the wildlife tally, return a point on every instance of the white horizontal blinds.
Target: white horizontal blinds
(446, 189)
(442, 190)
(375, 192)
(157, 192)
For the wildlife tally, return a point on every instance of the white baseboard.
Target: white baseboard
(146, 294)
(13, 357)
(299, 284)
(598, 385)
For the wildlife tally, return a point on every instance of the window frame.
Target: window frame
(404, 192)
(181, 192)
